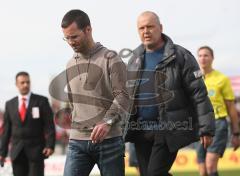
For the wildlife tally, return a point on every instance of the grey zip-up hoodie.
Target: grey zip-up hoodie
(97, 91)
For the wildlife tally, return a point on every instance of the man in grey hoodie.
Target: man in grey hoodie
(96, 80)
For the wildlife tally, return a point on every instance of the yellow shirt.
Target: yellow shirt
(219, 89)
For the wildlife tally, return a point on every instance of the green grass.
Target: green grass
(221, 173)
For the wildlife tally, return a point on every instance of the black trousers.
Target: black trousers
(23, 167)
(153, 155)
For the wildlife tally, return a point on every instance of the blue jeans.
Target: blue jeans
(82, 155)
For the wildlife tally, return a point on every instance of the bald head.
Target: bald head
(149, 15)
(150, 30)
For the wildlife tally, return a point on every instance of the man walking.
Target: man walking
(28, 121)
(169, 108)
(96, 87)
(222, 98)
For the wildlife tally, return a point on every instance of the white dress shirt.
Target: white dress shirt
(27, 97)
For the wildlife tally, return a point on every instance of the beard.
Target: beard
(82, 47)
(24, 91)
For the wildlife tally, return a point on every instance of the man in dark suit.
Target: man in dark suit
(28, 121)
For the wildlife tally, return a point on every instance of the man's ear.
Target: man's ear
(88, 29)
(161, 28)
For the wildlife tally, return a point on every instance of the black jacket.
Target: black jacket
(33, 134)
(185, 111)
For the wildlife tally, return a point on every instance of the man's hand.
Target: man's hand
(206, 141)
(47, 152)
(2, 160)
(99, 132)
(235, 142)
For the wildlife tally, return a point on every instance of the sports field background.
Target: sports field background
(184, 165)
(221, 173)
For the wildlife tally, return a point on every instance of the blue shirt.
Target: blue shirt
(147, 85)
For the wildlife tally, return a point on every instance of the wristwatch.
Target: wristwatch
(109, 122)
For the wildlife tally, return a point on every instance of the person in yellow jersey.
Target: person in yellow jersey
(222, 98)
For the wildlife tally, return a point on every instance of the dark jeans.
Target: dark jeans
(133, 162)
(82, 155)
(153, 155)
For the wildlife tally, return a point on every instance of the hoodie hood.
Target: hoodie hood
(98, 46)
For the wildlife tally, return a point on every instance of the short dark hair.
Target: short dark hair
(22, 73)
(78, 16)
(207, 48)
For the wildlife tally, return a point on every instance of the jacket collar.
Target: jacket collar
(29, 108)
(169, 46)
(27, 98)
